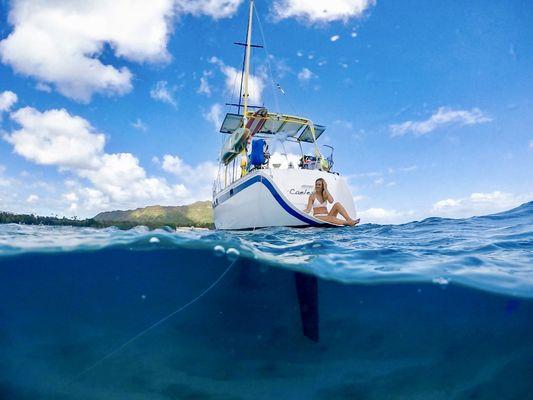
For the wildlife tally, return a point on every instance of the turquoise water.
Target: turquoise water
(434, 309)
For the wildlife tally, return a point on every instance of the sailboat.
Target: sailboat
(250, 190)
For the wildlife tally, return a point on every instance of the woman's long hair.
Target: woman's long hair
(323, 186)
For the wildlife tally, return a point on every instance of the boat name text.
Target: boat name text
(300, 192)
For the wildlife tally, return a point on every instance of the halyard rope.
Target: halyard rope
(274, 92)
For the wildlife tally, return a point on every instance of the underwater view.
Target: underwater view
(266, 199)
(436, 309)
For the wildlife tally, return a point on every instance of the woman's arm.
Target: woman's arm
(327, 194)
(309, 204)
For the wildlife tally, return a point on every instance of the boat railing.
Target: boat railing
(232, 173)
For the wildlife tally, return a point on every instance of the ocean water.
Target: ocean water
(437, 309)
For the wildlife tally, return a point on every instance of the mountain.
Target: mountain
(199, 214)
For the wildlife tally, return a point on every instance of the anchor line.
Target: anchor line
(154, 325)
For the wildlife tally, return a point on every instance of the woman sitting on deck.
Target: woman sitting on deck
(318, 201)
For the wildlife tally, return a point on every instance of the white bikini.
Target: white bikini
(317, 204)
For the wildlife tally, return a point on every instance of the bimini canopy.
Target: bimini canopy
(277, 124)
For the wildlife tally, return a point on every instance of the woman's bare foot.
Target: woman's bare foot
(353, 222)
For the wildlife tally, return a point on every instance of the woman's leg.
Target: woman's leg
(338, 221)
(333, 220)
(338, 208)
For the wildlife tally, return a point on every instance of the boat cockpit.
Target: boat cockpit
(247, 147)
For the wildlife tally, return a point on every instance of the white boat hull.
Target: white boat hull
(275, 197)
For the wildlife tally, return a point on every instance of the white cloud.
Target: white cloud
(379, 178)
(256, 83)
(71, 197)
(32, 199)
(280, 67)
(118, 180)
(122, 179)
(370, 174)
(410, 168)
(160, 92)
(175, 165)
(443, 116)
(205, 88)
(214, 115)
(43, 87)
(213, 8)
(60, 42)
(29, 195)
(94, 199)
(199, 178)
(446, 204)
(474, 204)
(305, 75)
(378, 215)
(344, 124)
(334, 38)
(488, 197)
(7, 100)
(139, 125)
(479, 204)
(314, 11)
(5, 181)
(55, 137)
(116, 172)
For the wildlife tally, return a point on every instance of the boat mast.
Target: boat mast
(246, 94)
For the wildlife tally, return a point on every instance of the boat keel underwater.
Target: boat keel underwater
(307, 291)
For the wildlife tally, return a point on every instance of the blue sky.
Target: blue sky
(109, 105)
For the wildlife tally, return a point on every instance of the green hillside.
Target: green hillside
(199, 214)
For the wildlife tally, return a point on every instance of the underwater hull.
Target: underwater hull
(273, 197)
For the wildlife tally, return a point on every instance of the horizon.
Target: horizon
(426, 105)
(208, 201)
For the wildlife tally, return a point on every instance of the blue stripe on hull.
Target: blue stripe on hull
(265, 181)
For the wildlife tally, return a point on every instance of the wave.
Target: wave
(489, 252)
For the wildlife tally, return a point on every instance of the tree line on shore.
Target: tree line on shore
(32, 219)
